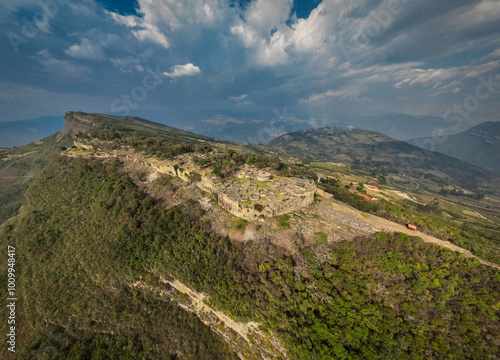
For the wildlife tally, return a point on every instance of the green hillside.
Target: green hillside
(388, 155)
(79, 121)
(479, 145)
(90, 231)
(18, 167)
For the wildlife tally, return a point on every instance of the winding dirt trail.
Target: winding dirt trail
(378, 224)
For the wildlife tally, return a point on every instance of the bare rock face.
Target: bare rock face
(74, 122)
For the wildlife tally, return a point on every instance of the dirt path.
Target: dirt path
(391, 226)
(380, 224)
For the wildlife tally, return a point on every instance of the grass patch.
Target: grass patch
(241, 224)
(283, 221)
(320, 238)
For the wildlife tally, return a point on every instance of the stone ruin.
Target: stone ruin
(251, 194)
(256, 195)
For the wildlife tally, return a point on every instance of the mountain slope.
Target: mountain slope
(398, 126)
(82, 122)
(337, 144)
(18, 167)
(479, 145)
(90, 231)
(267, 127)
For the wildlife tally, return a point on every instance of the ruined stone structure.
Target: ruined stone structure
(249, 199)
(252, 194)
(263, 176)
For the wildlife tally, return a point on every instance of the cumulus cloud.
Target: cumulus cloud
(183, 70)
(158, 18)
(92, 45)
(274, 33)
(85, 50)
(141, 28)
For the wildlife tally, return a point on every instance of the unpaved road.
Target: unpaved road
(380, 224)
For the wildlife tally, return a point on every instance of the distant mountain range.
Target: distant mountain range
(398, 126)
(15, 133)
(332, 144)
(479, 145)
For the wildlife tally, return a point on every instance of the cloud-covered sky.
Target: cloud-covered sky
(184, 61)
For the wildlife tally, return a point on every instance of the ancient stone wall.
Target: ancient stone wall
(239, 204)
(253, 194)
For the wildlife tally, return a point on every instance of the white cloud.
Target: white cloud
(85, 50)
(91, 45)
(157, 18)
(273, 51)
(482, 12)
(238, 98)
(263, 28)
(445, 79)
(349, 93)
(474, 71)
(128, 64)
(127, 20)
(183, 70)
(265, 15)
(152, 34)
(494, 55)
(310, 34)
(177, 14)
(142, 29)
(426, 77)
(276, 35)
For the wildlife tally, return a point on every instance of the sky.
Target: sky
(212, 61)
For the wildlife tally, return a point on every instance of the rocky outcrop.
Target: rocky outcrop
(74, 122)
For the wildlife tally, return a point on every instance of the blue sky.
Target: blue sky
(186, 62)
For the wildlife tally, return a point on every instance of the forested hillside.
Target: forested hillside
(87, 232)
(18, 167)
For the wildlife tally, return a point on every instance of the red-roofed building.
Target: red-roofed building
(411, 227)
(373, 187)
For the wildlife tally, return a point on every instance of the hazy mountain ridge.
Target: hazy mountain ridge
(16, 133)
(355, 145)
(479, 145)
(245, 130)
(80, 122)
